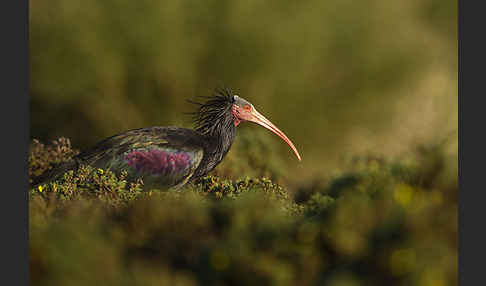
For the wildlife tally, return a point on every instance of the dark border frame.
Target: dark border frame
(14, 212)
(471, 236)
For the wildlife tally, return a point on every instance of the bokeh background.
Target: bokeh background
(366, 90)
(339, 77)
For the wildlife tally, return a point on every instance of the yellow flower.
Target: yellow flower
(40, 188)
(100, 171)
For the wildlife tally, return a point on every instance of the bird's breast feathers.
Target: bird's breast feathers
(157, 162)
(157, 165)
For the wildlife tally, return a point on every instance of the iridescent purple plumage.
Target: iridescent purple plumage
(158, 162)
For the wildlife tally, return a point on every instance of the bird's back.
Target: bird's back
(161, 156)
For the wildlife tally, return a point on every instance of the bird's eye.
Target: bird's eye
(247, 107)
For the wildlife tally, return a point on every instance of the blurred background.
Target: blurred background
(338, 77)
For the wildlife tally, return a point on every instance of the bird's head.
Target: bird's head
(227, 108)
(245, 111)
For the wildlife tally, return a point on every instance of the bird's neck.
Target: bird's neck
(218, 129)
(221, 141)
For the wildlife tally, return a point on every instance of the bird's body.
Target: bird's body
(162, 156)
(172, 156)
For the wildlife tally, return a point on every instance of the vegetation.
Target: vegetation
(378, 222)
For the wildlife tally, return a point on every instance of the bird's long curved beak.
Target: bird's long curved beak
(257, 118)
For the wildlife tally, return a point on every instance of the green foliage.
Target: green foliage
(88, 183)
(43, 158)
(377, 221)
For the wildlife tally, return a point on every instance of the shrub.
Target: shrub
(378, 222)
(43, 158)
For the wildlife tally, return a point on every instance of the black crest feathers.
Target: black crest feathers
(215, 112)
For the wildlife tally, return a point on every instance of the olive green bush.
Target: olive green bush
(43, 158)
(376, 221)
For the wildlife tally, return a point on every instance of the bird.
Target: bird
(171, 156)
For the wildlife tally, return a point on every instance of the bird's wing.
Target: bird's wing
(162, 156)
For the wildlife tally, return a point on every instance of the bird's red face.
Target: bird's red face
(244, 111)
